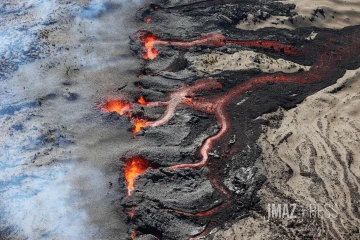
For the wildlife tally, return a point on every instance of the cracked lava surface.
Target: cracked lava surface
(324, 66)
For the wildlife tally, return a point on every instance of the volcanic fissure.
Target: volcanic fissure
(215, 95)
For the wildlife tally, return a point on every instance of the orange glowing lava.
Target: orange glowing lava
(147, 19)
(141, 101)
(119, 106)
(134, 167)
(149, 42)
(327, 63)
(138, 124)
(133, 235)
(212, 40)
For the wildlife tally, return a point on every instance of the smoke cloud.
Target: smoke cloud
(38, 197)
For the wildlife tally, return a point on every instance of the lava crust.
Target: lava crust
(206, 176)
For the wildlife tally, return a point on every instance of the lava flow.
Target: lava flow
(149, 41)
(323, 67)
(147, 19)
(133, 235)
(212, 40)
(326, 66)
(138, 124)
(118, 106)
(141, 101)
(133, 168)
(125, 108)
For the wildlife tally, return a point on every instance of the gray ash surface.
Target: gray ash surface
(64, 160)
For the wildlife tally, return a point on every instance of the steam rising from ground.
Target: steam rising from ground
(46, 182)
(39, 205)
(43, 192)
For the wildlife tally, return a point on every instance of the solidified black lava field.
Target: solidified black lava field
(173, 204)
(176, 119)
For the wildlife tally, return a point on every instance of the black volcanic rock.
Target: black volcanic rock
(231, 162)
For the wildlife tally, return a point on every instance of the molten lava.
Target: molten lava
(327, 63)
(138, 125)
(133, 168)
(141, 101)
(279, 47)
(149, 41)
(125, 108)
(119, 106)
(133, 235)
(212, 40)
(147, 19)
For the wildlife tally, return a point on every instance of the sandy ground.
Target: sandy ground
(310, 153)
(242, 60)
(311, 156)
(60, 156)
(320, 13)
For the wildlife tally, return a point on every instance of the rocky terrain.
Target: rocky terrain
(179, 119)
(309, 155)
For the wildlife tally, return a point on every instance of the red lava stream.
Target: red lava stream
(212, 40)
(323, 67)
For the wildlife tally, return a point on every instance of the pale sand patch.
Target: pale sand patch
(312, 157)
(337, 14)
(242, 60)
